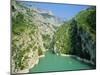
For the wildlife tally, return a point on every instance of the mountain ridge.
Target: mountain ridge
(35, 31)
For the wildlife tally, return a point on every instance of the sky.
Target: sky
(63, 11)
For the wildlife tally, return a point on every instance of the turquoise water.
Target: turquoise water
(52, 62)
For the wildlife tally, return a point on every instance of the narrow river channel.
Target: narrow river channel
(52, 62)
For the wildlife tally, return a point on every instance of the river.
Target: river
(52, 62)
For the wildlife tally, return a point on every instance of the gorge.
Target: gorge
(40, 40)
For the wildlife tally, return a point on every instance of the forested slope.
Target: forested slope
(36, 31)
(78, 36)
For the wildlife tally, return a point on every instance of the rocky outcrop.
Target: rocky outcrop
(32, 31)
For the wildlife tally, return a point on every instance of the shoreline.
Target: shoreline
(79, 58)
(41, 56)
(33, 65)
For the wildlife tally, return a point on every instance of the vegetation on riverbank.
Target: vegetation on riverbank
(34, 33)
(26, 45)
(78, 36)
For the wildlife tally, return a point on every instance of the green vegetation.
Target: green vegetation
(78, 36)
(75, 37)
(46, 39)
(25, 40)
(62, 44)
(21, 41)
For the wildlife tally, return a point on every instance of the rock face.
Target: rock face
(86, 21)
(79, 36)
(32, 32)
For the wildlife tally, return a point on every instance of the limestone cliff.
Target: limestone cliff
(32, 32)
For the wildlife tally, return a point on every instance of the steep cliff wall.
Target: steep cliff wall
(78, 36)
(32, 32)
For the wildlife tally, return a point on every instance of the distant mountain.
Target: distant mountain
(32, 34)
(35, 31)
